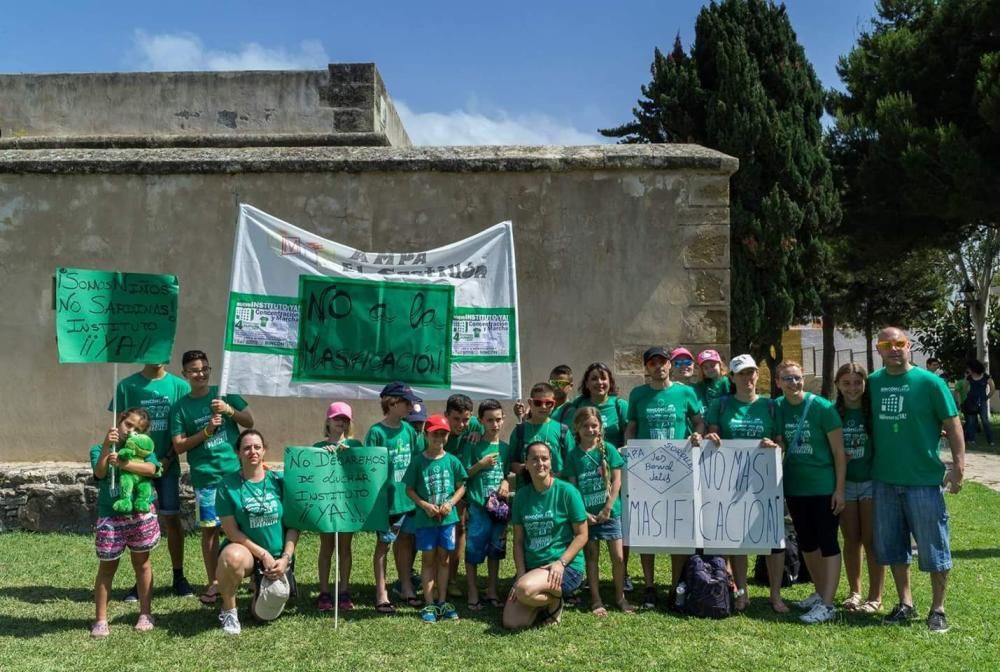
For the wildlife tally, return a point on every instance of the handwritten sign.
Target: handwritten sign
(373, 332)
(342, 491)
(108, 316)
(678, 497)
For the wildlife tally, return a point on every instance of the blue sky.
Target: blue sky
(460, 72)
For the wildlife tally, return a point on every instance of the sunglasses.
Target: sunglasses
(889, 345)
(683, 362)
(543, 403)
(791, 379)
(561, 383)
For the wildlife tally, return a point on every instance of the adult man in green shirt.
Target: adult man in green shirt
(910, 407)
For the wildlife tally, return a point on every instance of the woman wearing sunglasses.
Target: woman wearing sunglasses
(815, 470)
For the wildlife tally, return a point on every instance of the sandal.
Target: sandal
(598, 610)
(99, 630)
(870, 607)
(626, 607)
(553, 617)
(413, 601)
(474, 606)
(494, 602)
(741, 602)
(852, 603)
(144, 624)
(385, 608)
(209, 597)
(779, 607)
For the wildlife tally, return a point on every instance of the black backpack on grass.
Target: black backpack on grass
(795, 570)
(708, 587)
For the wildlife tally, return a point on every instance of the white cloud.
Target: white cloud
(185, 51)
(462, 127)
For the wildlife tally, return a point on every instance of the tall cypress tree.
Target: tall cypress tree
(746, 89)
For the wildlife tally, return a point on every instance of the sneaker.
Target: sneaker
(99, 630)
(446, 611)
(132, 595)
(936, 622)
(901, 614)
(144, 624)
(182, 588)
(344, 602)
(324, 602)
(810, 602)
(649, 598)
(820, 613)
(230, 622)
(628, 584)
(429, 614)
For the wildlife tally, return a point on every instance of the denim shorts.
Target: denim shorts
(609, 530)
(204, 507)
(900, 511)
(399, 523)
(572, 580)
(855, 491)
(485, 537)
(437, 536)
(168, 494)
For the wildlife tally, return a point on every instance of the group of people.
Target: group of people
(867, 464)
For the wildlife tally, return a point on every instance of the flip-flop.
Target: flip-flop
(553, 617)
(385, 608)
(414, 601)
(208, 599)
(475, 606)
(777, 610)
(599, 610)
(494, 602)
(627, 607)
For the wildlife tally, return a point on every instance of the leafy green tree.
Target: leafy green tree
(748, 90)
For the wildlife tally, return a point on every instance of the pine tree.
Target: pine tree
(748, 90)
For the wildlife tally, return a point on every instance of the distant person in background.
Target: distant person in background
(976, 405)
(934, 366)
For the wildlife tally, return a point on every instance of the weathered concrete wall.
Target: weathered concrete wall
(345, 104)
(618, 248)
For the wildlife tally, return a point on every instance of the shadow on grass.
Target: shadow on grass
(26, 626)
(976, 553)
(46, 594)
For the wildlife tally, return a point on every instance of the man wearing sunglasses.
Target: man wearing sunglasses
(910, 407)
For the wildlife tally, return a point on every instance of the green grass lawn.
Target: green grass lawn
(46, 608)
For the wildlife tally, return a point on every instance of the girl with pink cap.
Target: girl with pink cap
(339, 436)
(713, 383)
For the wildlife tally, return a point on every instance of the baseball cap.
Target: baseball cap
(418, 414)
(338, 408)
(708, 356)
(680, 352)
(436, 423)
(655, 351)
(740, 362)
(271, 597)
(398, 389)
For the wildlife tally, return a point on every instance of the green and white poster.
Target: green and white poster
(111, 316)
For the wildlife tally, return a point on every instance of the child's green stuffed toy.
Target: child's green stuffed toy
(132, 486)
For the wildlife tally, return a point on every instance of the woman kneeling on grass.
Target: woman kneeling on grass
(550, 530)
(249, 506)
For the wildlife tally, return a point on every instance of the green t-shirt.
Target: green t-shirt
(587, 469)
(435, 480)
(808, 468)
(216, 456)
(565, 411)
(548, 518)
(663, 414)
(256, 507)
(456, 442)
(614, 412)
(157, 397)
(907, 413)
(742, 420)
(104, 498)
(711, 389)
(857, 446)
(557, 435)
(401, 443)
(479, 485)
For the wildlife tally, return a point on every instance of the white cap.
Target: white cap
(271, 598)
(740, 362)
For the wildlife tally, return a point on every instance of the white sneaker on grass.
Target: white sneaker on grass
(230, 621)
(810, 602)
(820, 613)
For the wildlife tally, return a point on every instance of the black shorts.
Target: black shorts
(815, 524)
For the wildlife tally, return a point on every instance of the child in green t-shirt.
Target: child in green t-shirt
(435, 482)
(339, 436)
(539, 426)
(138, 531)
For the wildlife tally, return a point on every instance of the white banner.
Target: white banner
(677, 497)
(309, 317)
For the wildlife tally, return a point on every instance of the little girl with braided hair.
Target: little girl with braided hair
(594, 466)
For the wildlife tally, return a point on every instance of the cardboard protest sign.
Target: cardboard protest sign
(341, 491)
(373, 332)
(444, 320)
(678, 497)
(109, 316)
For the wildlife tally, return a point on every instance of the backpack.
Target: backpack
(795, 570)
(708, 588)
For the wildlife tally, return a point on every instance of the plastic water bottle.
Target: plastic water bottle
(681, 594)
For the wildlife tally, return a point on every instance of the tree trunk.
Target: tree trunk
(829, 355)
(869, 355)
